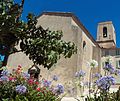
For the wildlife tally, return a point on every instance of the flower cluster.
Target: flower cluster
(93, 64)
(55, 77)
(105, 82)
(97, 75)
(59, 89)
(80, 74)
(21, 89)
(46, 83)
(109, 59)
(109, 68)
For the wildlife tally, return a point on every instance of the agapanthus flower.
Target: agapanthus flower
(80, 74)
(5, 73)
(21, 89)
(105, 82)
(46, 83)
(4, 78)
(97, 75)
(109, 68)
(117, 72)
(55, 77)
(26, 75)
(59, 89)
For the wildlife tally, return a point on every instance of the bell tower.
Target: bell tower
(106, 36)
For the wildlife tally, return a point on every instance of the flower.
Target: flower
(36, 82)
(5, 73)
(46, 83)
(55, 77)
(4, 78)
(93, 64)
(12, 79)
(59, 89)
(30, 81)
(26, 75)
(117, 72)
(80, 74)
(97, 75)
(21, 89)
(105, 82)
(109, 59)
(109, 68)
(38, 89)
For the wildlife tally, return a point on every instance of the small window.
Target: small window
(84, 44)
(105, 32)
(118, 64)
(117, 52)
(106, 52)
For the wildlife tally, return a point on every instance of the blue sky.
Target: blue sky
(90, 12)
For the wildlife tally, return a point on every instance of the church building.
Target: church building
(87, 47)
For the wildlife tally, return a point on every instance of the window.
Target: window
(104, 32)
(117, 52)
(118, 64)
(106, 52)
(84, 44)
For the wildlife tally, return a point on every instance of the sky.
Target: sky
(89, 12)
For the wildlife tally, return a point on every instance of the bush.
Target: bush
(19, 86)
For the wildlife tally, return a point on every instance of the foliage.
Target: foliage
(44, 47)
(19, 86)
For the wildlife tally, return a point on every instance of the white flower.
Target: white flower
(109, 59)
(93, 64)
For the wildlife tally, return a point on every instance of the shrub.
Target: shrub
(18, 86)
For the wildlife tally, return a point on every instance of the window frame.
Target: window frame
(105, 32)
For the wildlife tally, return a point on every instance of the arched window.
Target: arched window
(84, 44)
(104, 32)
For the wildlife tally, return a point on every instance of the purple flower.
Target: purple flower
(97, 75)
(117, 72)
(59, 89)
(4, 78)
(46, 83)
(55, 77)
(109, 68)
(105, 82)
(80, 74)
(21, 89)
(26, 75)
(5, 73)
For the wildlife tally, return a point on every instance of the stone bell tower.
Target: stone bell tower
(106, 36)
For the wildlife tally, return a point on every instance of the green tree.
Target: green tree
(44, 47)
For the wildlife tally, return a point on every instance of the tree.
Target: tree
(44, 47)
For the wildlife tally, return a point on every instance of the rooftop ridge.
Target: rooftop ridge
(75, 18)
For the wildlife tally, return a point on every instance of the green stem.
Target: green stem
(90, 81)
